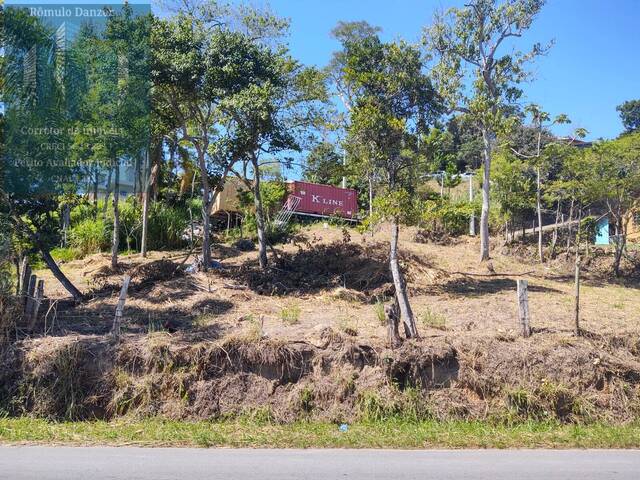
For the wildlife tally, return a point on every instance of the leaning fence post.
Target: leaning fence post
(523, 308)
(115, 330)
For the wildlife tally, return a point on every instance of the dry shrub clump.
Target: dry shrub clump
(62, 378)
(319, 267)
(141, 274)
(351, 267)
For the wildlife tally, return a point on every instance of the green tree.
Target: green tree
(113, 125)
(347, 90)
(630, 115)
(466, 142)
(615, 176)
(513, 188)
(35, 136)
(272, 115)
(394, 101)
(210, 63)
(324, 165)
(473, 38)
(539, 157)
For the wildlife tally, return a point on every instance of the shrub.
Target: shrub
(442, 218)
(379, 310)
(290, 315)
(166, 225)
(62, 254)
(130, 224)
(89, 236)
(410, 405)
(85, 211)
(431, 319)
(306, 398)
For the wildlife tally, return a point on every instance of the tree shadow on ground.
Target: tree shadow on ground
(477, 287)
(98, 319)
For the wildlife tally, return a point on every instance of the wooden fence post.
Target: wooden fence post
(35, 305)
(115, 330)
(28, 302)
(393, 319)
(25, 275)
(523, 308)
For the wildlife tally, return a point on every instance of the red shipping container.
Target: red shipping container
(326, 200)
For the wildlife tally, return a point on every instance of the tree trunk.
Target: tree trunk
(107, 195)
(576, 312)
(16, 263)
(207, 204)
(370, 194)
(145, 209)
(576, 308)
(539, 211)
(48, 259)
(472, 220)
(570, 226)
(206, 236)
(620, 244)
(95, 192)
(260, 222)
(145, 222)
(400, 285)
(115, 241)
(66, 223)
(486, 190)
(392, 315)
(61, 277)
(523, 307)
(554, 238)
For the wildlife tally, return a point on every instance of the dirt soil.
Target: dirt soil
(305, 339)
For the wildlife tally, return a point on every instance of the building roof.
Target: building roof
(575, 142)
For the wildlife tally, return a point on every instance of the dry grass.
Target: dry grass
(217, 345)
(444, 279)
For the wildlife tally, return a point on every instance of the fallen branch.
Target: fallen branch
(509, 274)
(234, 287)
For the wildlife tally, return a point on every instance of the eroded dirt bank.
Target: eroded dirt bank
(334, 378)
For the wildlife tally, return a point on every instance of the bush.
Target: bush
(89, 236)
(290, 315)
(61, 254)
(381, 316)
(166, 224)
(85, 211)
(431, 319)
(410, 405)
(442, 218)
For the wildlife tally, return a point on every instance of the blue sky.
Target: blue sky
(593, 67)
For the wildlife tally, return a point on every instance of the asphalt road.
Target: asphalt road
(89, 463)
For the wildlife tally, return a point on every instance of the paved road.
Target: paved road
(66, 463)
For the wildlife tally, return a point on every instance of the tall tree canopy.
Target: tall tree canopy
(630, 115)
(394, 102)
(477, 76)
